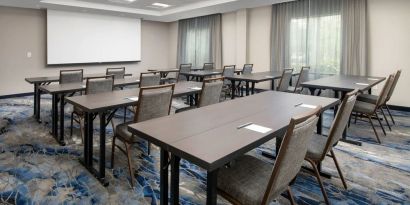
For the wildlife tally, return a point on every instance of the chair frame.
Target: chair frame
(119, 68)
(328, 148)
(229, 89)
(179, 72)
(299, 78)
(213, 65)
(152, 73)
(281, 78)
(128, 145)
(72, 70)
(79, 115)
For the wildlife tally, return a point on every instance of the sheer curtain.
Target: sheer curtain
(199, 41)
(319, 33)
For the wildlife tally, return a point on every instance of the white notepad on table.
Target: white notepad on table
(362, 83)
(258, 128)
(308, 106)
(372, 79)
(83, 86)
(269, 76)
(132, 98)
(195, 88)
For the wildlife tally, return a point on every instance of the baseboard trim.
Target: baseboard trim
(16, 95)
(399, 108)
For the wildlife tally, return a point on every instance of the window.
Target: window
(316, 41)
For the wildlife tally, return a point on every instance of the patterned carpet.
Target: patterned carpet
(34, 169)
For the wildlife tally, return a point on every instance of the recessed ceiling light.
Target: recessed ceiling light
(161, 5)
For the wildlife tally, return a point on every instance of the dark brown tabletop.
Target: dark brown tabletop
(203, 73)
(57, 78)
(344, 82)
(120, 98)
(164, 70)
(75, 87)
(209, 136)
(257, 76)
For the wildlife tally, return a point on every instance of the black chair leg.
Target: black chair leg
(391, 116)
(374, 129)
(380, 122)
(71, 124)
(385, 118)
(338, 168)
(314, 166)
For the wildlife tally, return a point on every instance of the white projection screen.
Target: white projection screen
(75, 38)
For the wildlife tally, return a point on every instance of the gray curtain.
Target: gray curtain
(200, 41)
(328, 35)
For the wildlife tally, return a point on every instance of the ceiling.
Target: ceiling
(179, 9)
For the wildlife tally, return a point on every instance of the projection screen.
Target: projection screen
(74, 38)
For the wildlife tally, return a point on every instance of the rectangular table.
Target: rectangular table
(100, 104)
(164, 72)
(57, 91)
(209, 136)
(254, 78)
(343, 84)
(39, 81)
(200, 74)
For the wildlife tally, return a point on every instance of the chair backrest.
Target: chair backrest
(71, 76)
(228, 71)
(396, 79)
(149, 79)
(247, 69)
(285, 79)
(303, 76)
(211, 91)
(291, 153)
(208, 66)
(99, 84)
(118, 73)
(340, 122)
(385, 91)
(154, 102)
(184, 68)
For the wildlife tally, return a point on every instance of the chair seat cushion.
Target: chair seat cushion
(123, 133)
(316, 147)
(246, 180)
(364, 107)
(368, 98)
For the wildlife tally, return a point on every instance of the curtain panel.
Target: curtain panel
(200, 41)
(328, 35)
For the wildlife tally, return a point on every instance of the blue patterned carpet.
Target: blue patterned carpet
(34, 169)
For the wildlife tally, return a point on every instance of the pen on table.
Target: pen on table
(298, 104)
(244, 125)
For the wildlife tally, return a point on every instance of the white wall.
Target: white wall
(24, 30)
(389, 43)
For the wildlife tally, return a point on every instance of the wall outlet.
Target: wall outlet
(29, 54)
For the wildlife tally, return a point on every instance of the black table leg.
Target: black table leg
(35, 100)
(211, 183)
(232, 89)
(88, 135)
(175, 179)
(247, 88)
(54, 113)
(38, 103)
(196, 100)
(101, 171)
(163, 177)
(312, 91)
(61, 134)
(272, 86)
(253, 88)
(319, 124)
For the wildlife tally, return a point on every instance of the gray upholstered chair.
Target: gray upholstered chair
(251, 181)
(184, 68)
(373, 98)
(210, 93)
(228, 71)
(93, 86)
(285, 80)
(149, 79)
(71, 76)
(321, 146)
(247, 69)
(208, 66)
(369, 109)
(118, 73)
(153, 102)
(303, 77)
